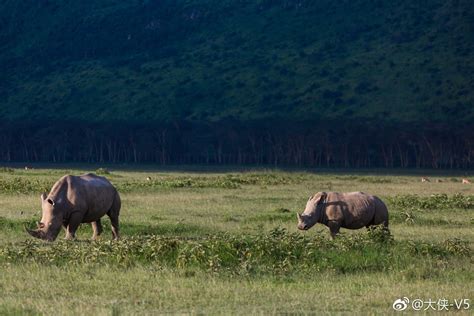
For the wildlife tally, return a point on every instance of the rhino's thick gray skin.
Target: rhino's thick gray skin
(78, 199)
(352, 210)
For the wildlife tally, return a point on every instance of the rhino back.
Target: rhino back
(59, 189)
(353, 210)
(92, 195)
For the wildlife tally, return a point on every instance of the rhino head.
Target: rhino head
(51, 221)
(312, 212)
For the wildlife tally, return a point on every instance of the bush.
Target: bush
(102, 171)
(6, 170)
(435, 201)
(21, 185)
(232, 181)
(274, 252)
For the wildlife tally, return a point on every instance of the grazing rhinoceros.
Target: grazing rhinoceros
(78, 199)
(352, 210)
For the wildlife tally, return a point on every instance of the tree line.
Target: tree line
(269, 142)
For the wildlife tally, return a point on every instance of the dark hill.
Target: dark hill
(369, 67)
(209, 59)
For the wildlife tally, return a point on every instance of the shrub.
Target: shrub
(22, 185)
(435, 201)
(7, 170)
(102, 171)
(232, 181)
(274, 252)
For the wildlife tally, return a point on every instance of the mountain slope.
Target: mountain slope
(210, 60)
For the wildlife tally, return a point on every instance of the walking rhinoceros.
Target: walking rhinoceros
(352, 210)
(78, 199)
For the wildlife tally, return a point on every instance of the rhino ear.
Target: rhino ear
(324, 196)
(321, 197)
(43, 197)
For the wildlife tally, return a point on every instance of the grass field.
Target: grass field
(223, 241)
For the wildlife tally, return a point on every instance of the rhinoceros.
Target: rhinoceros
(78, 199)
(352, 210)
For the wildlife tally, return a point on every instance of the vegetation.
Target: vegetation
(435, 201)
(281, 82)
(208, 60)
(25, 184)
(275, 252)
(102, 171)
(210, 248)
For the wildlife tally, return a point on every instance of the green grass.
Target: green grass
(225, 242)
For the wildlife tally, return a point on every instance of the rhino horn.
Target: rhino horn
(35, 233)
(298, 215)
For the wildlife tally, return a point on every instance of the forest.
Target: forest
(280, 143)
(353, 84)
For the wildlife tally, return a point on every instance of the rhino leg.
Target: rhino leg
(96, 229)
(334, 228)
(114, 221)
(74, 223)
(70, 236)
(113, 214)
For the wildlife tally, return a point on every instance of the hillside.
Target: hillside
(208, 60)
